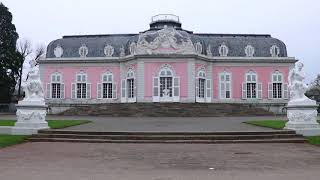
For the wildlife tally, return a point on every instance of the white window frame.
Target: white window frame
(277, 77)
(201, 75)
(249, 50)
(83, 51)
(125, 87)
(55, 78)
(107, 78)
(83, 79)
(175, 85)
(274, 51)
(222, 95)
(258, 86)
(223, 50)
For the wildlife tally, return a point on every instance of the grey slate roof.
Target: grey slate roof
(236, 44)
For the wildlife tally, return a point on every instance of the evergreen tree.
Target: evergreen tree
(10, 59)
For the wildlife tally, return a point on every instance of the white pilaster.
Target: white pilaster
(140, 81)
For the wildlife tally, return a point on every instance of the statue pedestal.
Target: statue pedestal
(303, 119)
(31, 117)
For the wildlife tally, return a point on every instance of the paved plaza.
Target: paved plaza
(82, 161)
(164, 124)
(90, 161)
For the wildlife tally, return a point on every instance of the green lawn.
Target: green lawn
(279, 124)
(53, 124)
(8, 140)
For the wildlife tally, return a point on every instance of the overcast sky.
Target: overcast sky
(296, 22)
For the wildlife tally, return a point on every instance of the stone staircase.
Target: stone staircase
(168, 110)
(275, 136)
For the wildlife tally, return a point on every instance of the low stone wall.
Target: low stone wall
(168, 109)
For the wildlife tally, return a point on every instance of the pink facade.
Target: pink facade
(151, 69)
(94, 74)
(238, 77)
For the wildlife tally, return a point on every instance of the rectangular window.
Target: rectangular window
(201, 87)
(130, 83)
(56, 90)
(225, 86)
(251, 90)
(81, 90)
(165, 86)
(107, 90)
(277, 90)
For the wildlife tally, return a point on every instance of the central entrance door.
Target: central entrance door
(166, 89)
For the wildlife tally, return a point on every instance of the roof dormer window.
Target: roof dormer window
(274, 51)
(249, 50)
(83, 51)
(223, 50)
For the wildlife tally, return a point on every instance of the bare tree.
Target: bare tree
(25, 49)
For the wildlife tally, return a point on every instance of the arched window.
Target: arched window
(277, 89)
(249, 50)
(223, 50)
(81, 89)
(251, 89)
(83, 51)
(225, 85)
(200, 84)
(107, 88)
(198, 47)
(108, 50)
(130, 84)
(128, 87)
(166, 86)
(58, 51)
(274, 51)
(132, 48)
(55, 89)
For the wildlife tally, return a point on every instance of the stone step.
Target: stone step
(166, 133)
(168, 110)
(168, 137)
(281, 140)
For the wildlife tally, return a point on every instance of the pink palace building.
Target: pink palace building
(166, 64)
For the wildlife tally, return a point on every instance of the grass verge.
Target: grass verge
(279, 124)
(8, 140)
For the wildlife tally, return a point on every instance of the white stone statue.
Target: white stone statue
(32, 86)
(301, 111)
(297, 87)
(166, 93)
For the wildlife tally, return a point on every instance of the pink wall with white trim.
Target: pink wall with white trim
(93, 73)
(151, 69)
(238, 77)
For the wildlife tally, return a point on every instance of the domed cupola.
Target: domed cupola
(161, 20)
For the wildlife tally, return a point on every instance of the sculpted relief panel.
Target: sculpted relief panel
(165, 41)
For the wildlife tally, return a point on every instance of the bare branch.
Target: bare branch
(39, 52)
(24, 47)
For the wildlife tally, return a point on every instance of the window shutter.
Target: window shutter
(155, 89)
(88, 90)
(222, 90)
(48, 90)
(176, 89)
(285, 91)
(197, 89)
(73, 91)
(62, 91)
(114, 90)
(135, 90)
(123, 90)
(244, 90)
(270, 90)
(259, 90)
(208, 90)
(99, 90)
